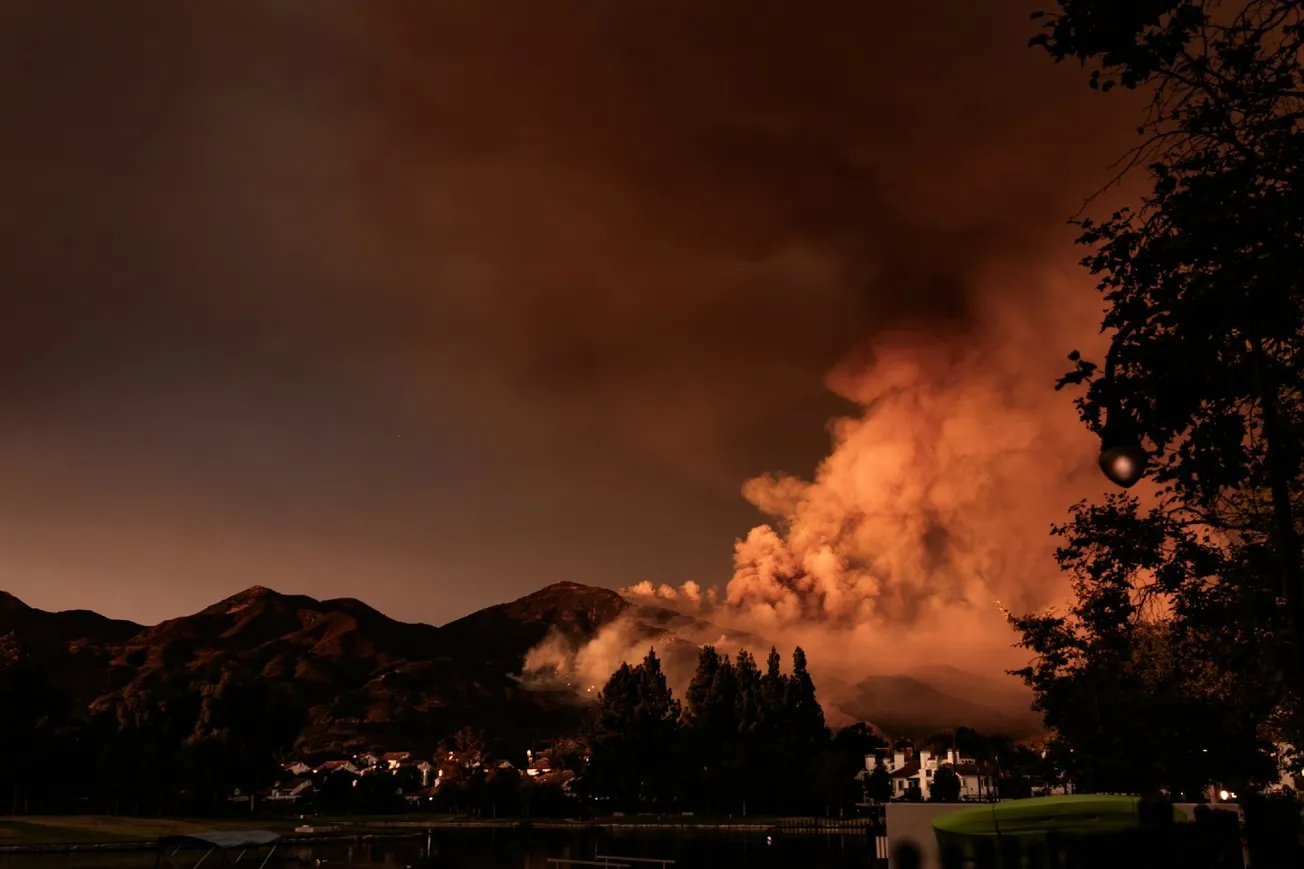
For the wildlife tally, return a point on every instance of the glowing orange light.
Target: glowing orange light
(1124, 465)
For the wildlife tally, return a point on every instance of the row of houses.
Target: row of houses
(912, 773)
(415, 780)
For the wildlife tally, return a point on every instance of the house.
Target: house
(368, 760)
(338, 766)
(297, 769)
(289, 791)
(912, 774)
(394, 759)
(539, 765)
(424, 768)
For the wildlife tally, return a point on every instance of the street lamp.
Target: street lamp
(1122, 458)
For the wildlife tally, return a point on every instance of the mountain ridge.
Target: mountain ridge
(368, 681)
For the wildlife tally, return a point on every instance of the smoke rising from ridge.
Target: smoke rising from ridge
(934, 504)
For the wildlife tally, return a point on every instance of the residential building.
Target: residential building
(426, 769)
(394, 759)
(289, 791)
(338, 766)
(912, 774)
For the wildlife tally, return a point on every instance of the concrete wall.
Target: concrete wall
(912, 822)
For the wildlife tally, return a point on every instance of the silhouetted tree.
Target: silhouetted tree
(33, 715)
(1142, 702)
(774, 688)
(712, 730)
(503, 792)
(878, 784)
(853, 751)
(633, 737)
(946, 785)
(803, 716)
(1204, 303)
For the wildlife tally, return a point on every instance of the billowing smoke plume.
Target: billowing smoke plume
(934, 504)
(936, 500)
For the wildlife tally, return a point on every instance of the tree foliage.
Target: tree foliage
(878, 785)
(1167, 672)
(634, 735)
(745, 741)
(215, 733)
(946, 785)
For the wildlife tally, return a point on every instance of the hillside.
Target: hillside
(362, 680)
(909, 706)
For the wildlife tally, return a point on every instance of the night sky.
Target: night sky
(434, 303)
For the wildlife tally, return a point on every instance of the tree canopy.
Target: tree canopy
(1175, 667)
(744, 741)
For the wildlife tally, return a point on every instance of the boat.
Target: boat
(1033, 820)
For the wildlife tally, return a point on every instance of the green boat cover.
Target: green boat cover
(1033, 819)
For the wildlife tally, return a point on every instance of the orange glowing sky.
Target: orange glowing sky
(435, 303)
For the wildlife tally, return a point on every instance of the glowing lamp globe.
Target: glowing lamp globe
(1124, 465)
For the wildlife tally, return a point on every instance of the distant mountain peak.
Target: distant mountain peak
(255, 591)
(243, 600)
(567, 585)
(570, 594)
(10, 602)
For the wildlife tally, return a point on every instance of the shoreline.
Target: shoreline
(417, 829)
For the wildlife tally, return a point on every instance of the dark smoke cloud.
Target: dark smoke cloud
(653, 224)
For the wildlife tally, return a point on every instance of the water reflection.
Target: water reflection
(518, 849)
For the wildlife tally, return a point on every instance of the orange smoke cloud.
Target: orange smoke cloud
(935, 502)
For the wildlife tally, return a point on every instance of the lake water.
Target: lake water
(512, 849)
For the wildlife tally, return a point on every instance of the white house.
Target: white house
(910, 772)
(289, 791)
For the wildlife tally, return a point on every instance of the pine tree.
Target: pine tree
(803, 714)
(656, 732)
(804, 739)
(708, 664)
(749, 707)
(612, 741)
(774, 687)
(751, 766)
(711, 725)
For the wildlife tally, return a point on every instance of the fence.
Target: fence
(871, 825)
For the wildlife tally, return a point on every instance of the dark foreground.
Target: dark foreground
(521, 849)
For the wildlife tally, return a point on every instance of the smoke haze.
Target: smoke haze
(933, 507)
(308, 294)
